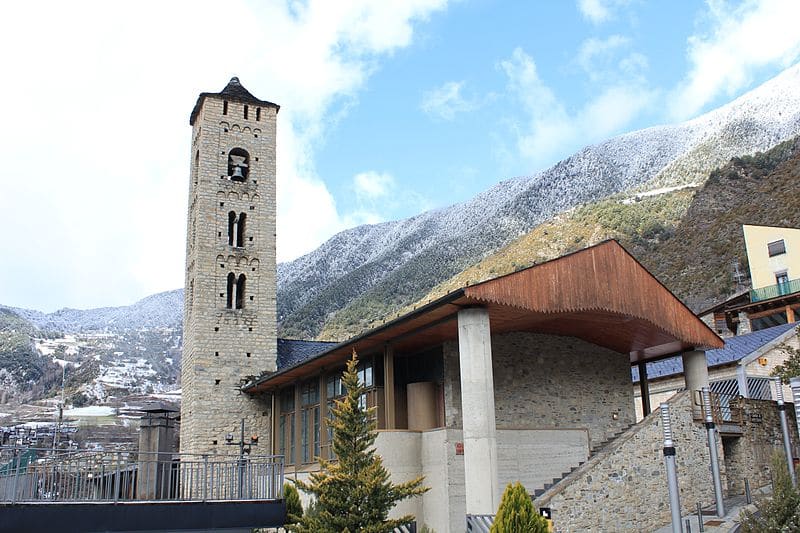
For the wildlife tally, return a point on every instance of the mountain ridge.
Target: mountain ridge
(371, 266)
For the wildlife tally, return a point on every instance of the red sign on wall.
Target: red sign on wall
(459, 448)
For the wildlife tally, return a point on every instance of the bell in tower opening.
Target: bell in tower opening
(238, 164)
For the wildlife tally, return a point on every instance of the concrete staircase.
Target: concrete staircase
(594, 450)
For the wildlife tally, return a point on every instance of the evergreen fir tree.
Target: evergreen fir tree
(517, 514)
(353, 494)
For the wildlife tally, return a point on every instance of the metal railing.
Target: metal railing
(773, 291)
(38, 475)
(479, 523)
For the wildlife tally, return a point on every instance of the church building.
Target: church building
(523, 377)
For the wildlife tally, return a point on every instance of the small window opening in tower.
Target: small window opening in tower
(245, 111)
(232, 227)
(258, 114)
(240, 292)
(196, 165)
(240, 230)
(224, 107)
(238, 164)
(231, 290)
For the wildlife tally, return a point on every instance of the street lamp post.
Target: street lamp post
(244, 448)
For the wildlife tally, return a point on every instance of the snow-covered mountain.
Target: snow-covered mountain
(162, 310)
(392, 263)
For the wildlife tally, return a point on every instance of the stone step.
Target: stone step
(594, 450)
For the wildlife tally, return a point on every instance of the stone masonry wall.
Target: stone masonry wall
(550, 382)
(624, 487)
(221, 346)
(749, 456)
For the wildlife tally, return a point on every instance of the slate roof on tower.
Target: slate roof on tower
(235, 92)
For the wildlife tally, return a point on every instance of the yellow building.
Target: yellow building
(773, 255)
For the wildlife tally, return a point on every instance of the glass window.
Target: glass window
(309, 420)
(286, 431)
(776, 248)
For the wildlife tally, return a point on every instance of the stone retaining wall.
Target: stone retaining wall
(624, 487)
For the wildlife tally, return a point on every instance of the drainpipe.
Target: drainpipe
(712, 450)
(672, 474)
(787, 443)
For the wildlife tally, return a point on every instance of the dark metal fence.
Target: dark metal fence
(44, 475)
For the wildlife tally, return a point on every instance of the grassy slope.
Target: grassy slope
(687, 238)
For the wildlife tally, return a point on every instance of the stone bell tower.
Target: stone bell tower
(229, 309)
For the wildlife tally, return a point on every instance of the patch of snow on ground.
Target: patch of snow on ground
(92, 410)
(656, 192)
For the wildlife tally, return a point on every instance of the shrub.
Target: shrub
(779, 513)
(294, 509)
(517, 514)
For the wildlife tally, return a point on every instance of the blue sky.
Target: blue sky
(388, 109)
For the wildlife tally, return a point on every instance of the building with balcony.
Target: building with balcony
(773, 256)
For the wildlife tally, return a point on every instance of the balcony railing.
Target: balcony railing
(33, 475)
(773, 291)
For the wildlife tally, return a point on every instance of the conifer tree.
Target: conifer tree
(294, 507)
(354, 494)
(517, 514)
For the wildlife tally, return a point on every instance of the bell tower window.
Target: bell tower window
(238, 164)
(236, 291)
(236, 226)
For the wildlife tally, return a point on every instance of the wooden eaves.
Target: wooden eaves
(600, 294)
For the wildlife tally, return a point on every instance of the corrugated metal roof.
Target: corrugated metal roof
(736, 348)
(293, 351)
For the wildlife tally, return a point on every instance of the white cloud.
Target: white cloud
(739, 40)
(446, 102)
(548, 130)
(95, 137)
(372, 185)
(599, 11)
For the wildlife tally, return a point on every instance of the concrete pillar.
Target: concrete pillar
(477, 411)
(741, 377)
(695, 374)
(156, 438)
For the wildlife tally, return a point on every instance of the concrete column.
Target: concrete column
(741, 377)
(156, 438)
(477, 411)
(695, 374)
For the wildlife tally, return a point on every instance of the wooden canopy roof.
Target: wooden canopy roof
(600, 294)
